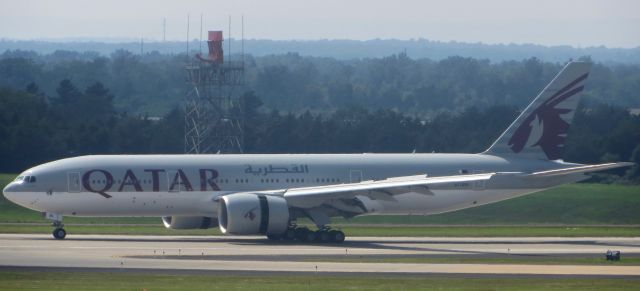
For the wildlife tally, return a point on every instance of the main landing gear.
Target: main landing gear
(323, 235)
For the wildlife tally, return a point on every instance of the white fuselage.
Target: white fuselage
(188, 185)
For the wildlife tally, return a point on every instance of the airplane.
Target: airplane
(266, 194)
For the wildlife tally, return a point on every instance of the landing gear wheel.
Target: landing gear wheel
(305, 235)
(323, 236)
(274, 237)
(309, 236)
(59, 233)
(301, 233)
(336, 236)
(290, 234)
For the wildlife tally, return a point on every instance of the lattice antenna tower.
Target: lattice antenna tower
(214, 118)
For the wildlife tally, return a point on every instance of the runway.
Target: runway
(256, 254)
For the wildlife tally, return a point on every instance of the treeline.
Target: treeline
(345, 49)
(155, 83)
(36, 127)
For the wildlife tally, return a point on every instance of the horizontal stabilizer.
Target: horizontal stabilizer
(579, 169)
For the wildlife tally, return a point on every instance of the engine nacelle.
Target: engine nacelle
(253, 214)
(189, 222)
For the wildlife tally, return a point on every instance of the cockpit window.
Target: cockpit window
(25, 179)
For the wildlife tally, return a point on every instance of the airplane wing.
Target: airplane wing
(378, 189)
(386, 186)
(306, 197)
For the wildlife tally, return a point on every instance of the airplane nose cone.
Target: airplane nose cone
(9, 192)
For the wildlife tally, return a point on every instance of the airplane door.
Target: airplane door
(174, 181)
(73, 181)
(355, 176)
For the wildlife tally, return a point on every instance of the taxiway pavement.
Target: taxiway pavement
(256, 254)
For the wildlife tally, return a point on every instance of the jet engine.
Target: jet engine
(253, 214)
(189, 222)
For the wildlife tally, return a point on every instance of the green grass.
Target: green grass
(571, 204)
(108, 229)
(494, 231)
(529, 260)
(23, 280)
(422, 231)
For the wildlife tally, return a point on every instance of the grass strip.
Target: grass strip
(121, 280)
(513, 259)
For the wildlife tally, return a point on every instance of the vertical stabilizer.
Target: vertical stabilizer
(541, 129)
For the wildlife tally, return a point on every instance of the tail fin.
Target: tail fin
(541, 129)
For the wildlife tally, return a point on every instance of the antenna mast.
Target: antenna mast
(188, 20)
(242, 35)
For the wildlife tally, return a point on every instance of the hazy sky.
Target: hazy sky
(613, 23)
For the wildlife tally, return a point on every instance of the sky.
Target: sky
(579, 23)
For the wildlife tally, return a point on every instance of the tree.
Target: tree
(67, 94)
(24, 130)
(633, 173)
(97, 102)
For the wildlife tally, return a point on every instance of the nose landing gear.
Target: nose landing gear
(58, 232)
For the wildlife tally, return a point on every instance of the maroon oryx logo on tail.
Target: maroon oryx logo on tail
(551, 129)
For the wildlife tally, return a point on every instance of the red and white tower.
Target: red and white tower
(213, 113)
